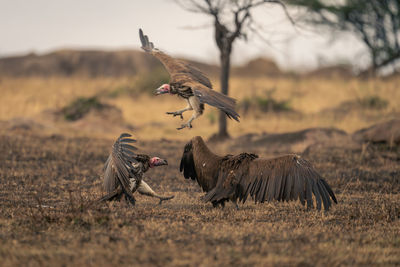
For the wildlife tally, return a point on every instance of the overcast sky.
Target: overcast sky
(44, 25)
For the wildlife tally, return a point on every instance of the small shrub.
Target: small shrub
(373, 102)
(80, 107)
(270, 104)
(264, 104)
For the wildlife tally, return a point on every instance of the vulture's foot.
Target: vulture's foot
(165, 198)
(131, 200)
(176, 113)
(186, 125)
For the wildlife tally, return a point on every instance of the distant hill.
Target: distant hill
(92, 63)
(258, 67)
(96, 63)
(343, 71)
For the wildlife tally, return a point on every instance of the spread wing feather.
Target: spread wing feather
(285, 178)
(180, 71)
(187, 163)
(215, 99)
(117, 167)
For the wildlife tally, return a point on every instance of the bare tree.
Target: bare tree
(375, 22)
(232, 20)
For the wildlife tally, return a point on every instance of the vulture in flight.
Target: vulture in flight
(124, 169)
(237, 177)
(189, 83)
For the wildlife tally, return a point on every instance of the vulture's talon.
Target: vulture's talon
(165, 198)
(186, 125)
(176, 114)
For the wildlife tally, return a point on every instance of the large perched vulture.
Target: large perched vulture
(237, 177)
(124, 169)
(189, 83)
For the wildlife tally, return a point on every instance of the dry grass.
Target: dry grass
(50, 177)
(48, 214)
(315, 103)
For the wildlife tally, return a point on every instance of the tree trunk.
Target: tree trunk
(224, 79)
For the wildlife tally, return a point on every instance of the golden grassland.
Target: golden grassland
(314, 102)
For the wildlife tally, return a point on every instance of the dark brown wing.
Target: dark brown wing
(187, 162)
(188, 167)
(118, 165)
(231, 171)
(180, 71)
(214, 98)
(200, 164)
(282, 179)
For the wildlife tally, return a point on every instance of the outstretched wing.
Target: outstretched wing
(213, 98)
(180, 71)
(282, 179)
(118, 166)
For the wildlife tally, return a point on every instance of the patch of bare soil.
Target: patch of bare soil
(49, 216)
(292, 142)
(387, 132)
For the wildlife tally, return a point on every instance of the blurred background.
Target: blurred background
(76, 67)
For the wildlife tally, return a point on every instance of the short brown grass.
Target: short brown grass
(49, 217)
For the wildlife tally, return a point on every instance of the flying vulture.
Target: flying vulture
(189, 83)
(124, 169)
(237, 177)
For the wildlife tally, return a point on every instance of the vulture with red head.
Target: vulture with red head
(124, 169)
(191, 84)
(235, 178)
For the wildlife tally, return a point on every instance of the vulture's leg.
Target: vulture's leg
(131, 200)
(197, 111)
(179, 112)
(145, 189)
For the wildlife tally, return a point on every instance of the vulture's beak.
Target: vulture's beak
(160, 90)
(162, 162)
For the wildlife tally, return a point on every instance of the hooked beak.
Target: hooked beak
(160, 90)
(162, 162)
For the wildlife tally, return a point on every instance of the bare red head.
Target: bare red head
(156, 161)
(163, 89)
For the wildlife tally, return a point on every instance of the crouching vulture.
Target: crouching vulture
(235, 178)
(124, 169)
(189, 83)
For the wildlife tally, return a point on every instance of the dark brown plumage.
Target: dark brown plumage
(191, 84)
(124, 169)
(237, 177)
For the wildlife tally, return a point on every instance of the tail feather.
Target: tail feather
(220, 101)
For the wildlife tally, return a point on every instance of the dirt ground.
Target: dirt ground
(49, 216)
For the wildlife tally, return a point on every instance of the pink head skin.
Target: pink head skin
(156, 161)
(163, 89)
